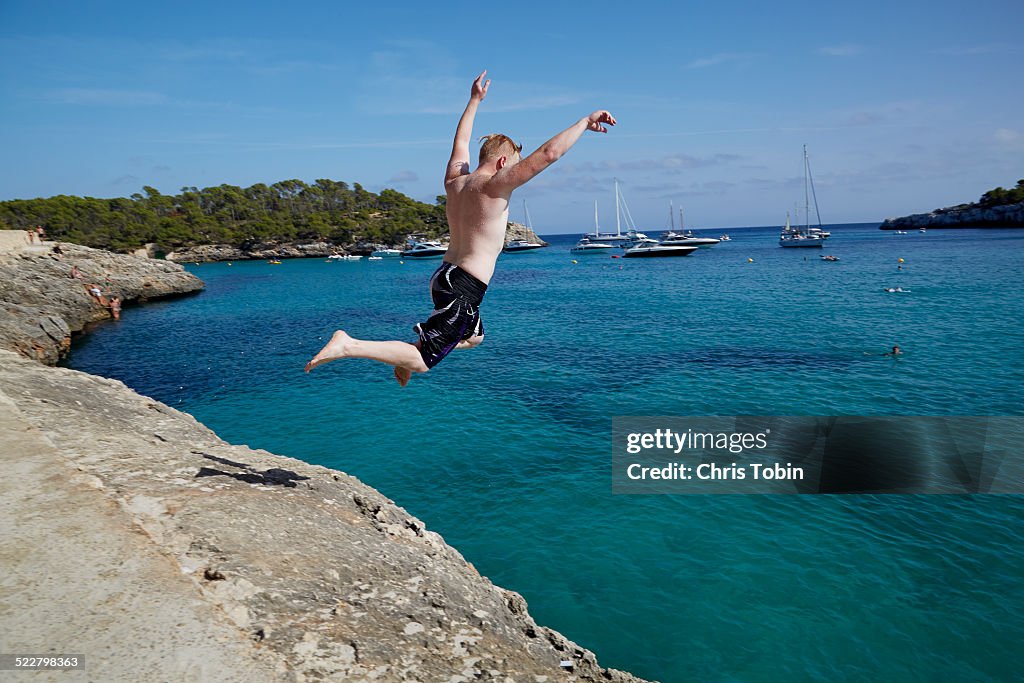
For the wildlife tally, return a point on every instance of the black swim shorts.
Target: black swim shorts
(457, 296)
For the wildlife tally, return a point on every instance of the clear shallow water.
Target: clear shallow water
(505, 449)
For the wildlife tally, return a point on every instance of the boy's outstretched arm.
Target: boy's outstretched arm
(458, 164)
(551, 151)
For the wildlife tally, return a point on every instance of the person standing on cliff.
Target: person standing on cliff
(477, 207)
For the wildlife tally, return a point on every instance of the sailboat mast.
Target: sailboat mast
(672, 216)
(682, 225)
(527, 212)
(618, 227)
(807, 197)
(597, 228)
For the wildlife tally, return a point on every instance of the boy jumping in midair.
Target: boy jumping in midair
(477, 218)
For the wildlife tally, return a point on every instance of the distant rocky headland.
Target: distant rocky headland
(136, 537)
(293, 249)
(287, 219)
(998, 208)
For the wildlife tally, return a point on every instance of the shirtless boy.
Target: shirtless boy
(477, 217)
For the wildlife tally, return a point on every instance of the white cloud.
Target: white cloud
(1008, 136)
(670, 163)
(105, 96)
(845, 50)
(720, 58)
(405, 176)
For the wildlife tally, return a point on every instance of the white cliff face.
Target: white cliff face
(968, 216)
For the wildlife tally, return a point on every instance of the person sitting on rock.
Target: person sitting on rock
(97, 293)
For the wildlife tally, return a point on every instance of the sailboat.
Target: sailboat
(523, 245)
(793, 236)
(684, 238)
(618, 237)
(588, 246)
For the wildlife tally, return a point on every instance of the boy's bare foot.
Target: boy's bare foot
(334, 350)
(402, 375)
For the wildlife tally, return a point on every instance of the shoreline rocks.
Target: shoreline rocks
(42, 306)
(261, 251)
(140, 539)
(280, 250)
(518, 231)
(963, 216)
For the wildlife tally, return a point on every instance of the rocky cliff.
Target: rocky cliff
(279, 250)
(965, 216)
(41, 305)
(133, 535)
(259, 251)
(518, 231)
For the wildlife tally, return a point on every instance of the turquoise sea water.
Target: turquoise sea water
(505, 450)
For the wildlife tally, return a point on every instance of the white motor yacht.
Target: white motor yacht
(648, 248)
(585, 246)
(521, 245)
(687, 239)
(425, 250)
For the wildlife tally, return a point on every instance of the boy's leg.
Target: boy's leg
(397, 353)
(470, 343)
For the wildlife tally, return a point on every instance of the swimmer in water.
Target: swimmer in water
(895, 352)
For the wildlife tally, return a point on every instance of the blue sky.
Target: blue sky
(904, 106)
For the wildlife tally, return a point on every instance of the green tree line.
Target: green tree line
(288, 210)
(1000, 196)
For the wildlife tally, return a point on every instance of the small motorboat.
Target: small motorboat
(425, 250)
(585, 246)
(687, 239)
(725, 238)
(829, 257)
(648, 248)
(386, 253)
(521, 245)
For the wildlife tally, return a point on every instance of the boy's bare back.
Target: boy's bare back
(477, 207)
(477, 202)
(477, 218)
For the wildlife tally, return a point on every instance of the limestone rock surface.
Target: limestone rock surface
(303, 571)
(966, 216)
(41, 306)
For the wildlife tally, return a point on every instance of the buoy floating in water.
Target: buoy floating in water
(575, 261)
(750, 260)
